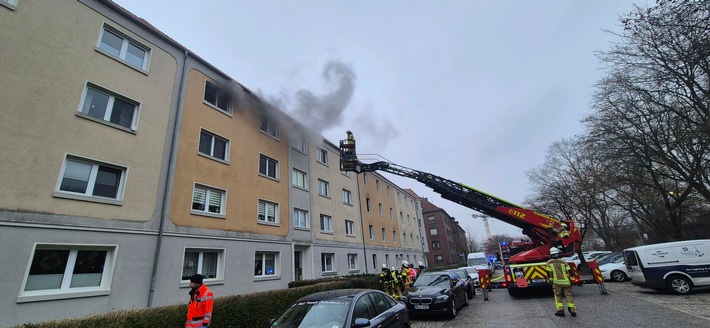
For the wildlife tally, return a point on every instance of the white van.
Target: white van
(676, 266)
(480, 261)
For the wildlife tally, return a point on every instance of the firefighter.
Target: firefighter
(420, 269)
(395, 284)
(405, 277)
(388, 280)
(199, 310)
(558, 275)
(412, 273)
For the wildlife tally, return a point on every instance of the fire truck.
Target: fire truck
(523, 270)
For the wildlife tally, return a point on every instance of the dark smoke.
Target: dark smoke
(321, 113)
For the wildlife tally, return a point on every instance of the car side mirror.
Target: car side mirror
(361, 322)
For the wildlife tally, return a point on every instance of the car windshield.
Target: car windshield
(608, 258)
(432, 280)
(461, 273)
(314, 314)
(477, 262)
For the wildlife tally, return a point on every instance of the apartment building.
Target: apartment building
(445, 237)
(128, 160)
(89, 100)
(387, 216)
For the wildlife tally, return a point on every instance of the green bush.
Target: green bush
(248, 311)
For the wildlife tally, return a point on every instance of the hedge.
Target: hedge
(248, 311)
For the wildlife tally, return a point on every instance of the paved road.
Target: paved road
(625, 306)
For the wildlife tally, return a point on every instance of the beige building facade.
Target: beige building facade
(128, 160)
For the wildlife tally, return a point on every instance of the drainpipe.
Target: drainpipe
(168, 182)
(362, 224)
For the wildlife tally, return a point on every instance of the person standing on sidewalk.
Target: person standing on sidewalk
(199, 310)
(558, 274)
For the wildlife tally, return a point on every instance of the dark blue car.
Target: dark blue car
(344, 308)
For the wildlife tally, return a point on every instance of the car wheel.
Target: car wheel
(618, 276)
(513, 292)
(465, 300)
(470, 293)
(452, 308)
(679, 285)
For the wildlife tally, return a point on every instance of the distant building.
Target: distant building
(446, 239)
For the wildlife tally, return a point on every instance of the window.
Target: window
(268, 212)
(57, 271)
(299, 179)
(207, 262)
(217, 98)
(300, 218)
(404, 237)
(433, 232)
(326, 261)
(377, 184)
(399, 197)
(326, 223)
(299, 143)
(268, 167)
(352, 261)
(12, 4)
(389, 192)
(265, 264)
(394, 236)
(322, 156)
(268, 126)
(213, 146)
(431, 218)
(323, 188)
(349, 228)
(117, 45)
(391, 214)
(109, 108)
(384, 235)
(375, 265)
(82, 177)
(367, 204)
(439, 258)
(364, 178)
(379, 206)
(208, 200)
(347, 197)
(372, 232)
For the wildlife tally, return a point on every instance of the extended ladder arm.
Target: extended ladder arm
(541, 229)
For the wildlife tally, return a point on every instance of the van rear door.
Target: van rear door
(633, 265)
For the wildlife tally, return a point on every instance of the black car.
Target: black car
(436, 292)
(465, 275)
(344, 308)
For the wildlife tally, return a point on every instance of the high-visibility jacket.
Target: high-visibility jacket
(558, 271)
(199, 310)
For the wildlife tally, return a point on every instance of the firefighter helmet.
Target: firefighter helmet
(384, 266)
(405, 263)
(393, 269)
(554, 251)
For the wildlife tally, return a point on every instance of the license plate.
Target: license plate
(537, 280)
(421, 307)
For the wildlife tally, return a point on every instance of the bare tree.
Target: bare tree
(651, 123)
(473, 244)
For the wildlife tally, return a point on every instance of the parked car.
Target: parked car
(468, 280)
(612, 267)
(678, 266)
(589, 255)
(440, 292)
(344, 308)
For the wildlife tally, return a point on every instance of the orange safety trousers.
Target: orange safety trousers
(199, 310)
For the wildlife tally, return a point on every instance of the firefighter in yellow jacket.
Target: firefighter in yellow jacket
(558, 274)
(389, 282)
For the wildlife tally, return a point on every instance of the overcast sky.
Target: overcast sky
(473, 91)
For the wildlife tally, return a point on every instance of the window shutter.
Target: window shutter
(215, 201)
(198, 198)
(261, 211)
